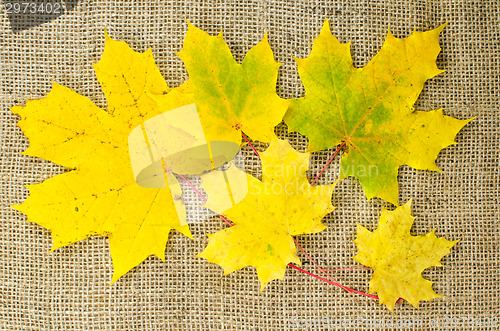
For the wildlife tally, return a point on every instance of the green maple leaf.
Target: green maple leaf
(370, 109)
(232, 97)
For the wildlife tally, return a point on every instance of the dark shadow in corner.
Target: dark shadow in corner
(26, 14)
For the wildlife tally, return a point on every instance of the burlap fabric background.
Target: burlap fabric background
(69, 289)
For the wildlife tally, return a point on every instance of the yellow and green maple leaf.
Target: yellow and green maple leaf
(232, 97)
(370, 109)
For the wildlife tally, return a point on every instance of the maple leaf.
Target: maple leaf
(370, 109)
(398, 258)
(284, 204)
(232, 97)
(99, 196)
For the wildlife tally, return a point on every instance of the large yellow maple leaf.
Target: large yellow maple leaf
(280, 206)
(370, 109)
(398, 258)
(99, 195)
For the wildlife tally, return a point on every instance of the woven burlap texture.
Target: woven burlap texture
(69, 288)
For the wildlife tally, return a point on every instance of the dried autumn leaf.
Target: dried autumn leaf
(99, 196)
(283, 205)
(233, 97)
(398, 258)
(371, 110)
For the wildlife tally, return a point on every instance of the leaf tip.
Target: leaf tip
(408, 203)
(326, 27)
(54, 248)
(297, 60)
(114, 279)
(326, 24)
(441, 27)
(16, 110)
(389, 33)
(179, 53)
(17, 207)
(106, 34)
(262, 286)
(161, 256)
(189, 23)
(436, 168)
(469, 120)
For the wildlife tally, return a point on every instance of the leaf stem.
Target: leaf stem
(201, 196)
(248, 141)
(330, 280)
(192, 186)
(329, 161)
(333, 283)
(313, 262)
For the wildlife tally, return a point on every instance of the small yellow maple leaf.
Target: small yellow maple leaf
(284, 204)
(370, 109)
(398, 258)
(233, 97)
(99, 196)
